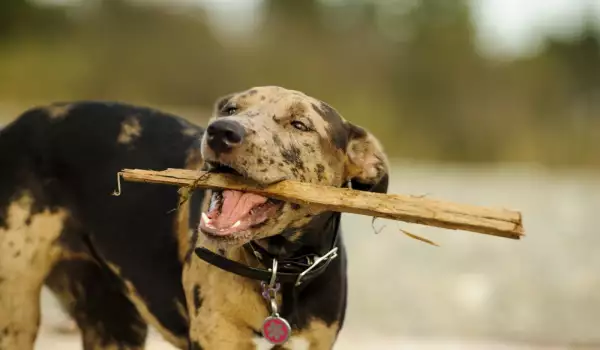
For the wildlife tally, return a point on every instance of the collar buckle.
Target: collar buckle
(332, 254)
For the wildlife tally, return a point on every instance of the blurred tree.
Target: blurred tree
(11, 11)
(333, 52)
(301, 14)
(20, 18)
(150, 54)
(290, 33)
(439, 80)
(408, 70)
(580, 59)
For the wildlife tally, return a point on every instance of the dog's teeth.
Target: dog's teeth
(205, 218)
(237, 223)
(214, 199)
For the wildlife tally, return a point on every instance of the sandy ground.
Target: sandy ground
(56, 334)
(52, 341)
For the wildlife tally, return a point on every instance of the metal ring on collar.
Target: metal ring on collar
(273, 274)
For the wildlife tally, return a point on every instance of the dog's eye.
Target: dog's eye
(229, 110)
(300, 125)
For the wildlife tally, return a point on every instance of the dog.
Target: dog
(269, 134)
(214, 273)
(115, 263)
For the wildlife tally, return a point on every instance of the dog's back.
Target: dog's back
(59, 223)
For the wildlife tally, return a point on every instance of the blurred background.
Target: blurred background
(491, 102)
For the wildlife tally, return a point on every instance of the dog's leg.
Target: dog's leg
(19, 313)
(28, 251)
(318, 335)
(95, 298)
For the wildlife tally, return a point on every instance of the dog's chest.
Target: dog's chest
(240, 301)
(235, 297)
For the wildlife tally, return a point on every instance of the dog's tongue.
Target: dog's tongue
(236, 205)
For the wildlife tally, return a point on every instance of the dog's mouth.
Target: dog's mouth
(232, 213)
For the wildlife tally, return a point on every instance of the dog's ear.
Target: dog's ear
(367, 166)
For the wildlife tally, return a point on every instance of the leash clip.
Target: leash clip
(269, 291)
(332, 254)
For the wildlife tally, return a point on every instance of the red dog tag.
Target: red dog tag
(276, 330)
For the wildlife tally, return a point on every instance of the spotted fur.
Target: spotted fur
(287, 135)
(326, 150)
(114, 263)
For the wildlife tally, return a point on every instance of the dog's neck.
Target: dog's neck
(317, 237)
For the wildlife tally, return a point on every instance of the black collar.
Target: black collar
(294, 270)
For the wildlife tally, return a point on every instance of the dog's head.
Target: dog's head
(269, 134)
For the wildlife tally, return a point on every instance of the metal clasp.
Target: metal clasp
(269, 291)
(332, 254)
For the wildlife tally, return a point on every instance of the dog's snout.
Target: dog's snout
(224, 135)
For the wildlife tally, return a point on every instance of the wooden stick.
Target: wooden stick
(425, 211)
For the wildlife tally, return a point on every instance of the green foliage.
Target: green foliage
(10, 11)
(409, 71)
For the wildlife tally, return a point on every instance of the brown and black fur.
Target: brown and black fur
(119, 264)
(324, 149)
(114, 262)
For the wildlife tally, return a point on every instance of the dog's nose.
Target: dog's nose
(224, 135)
